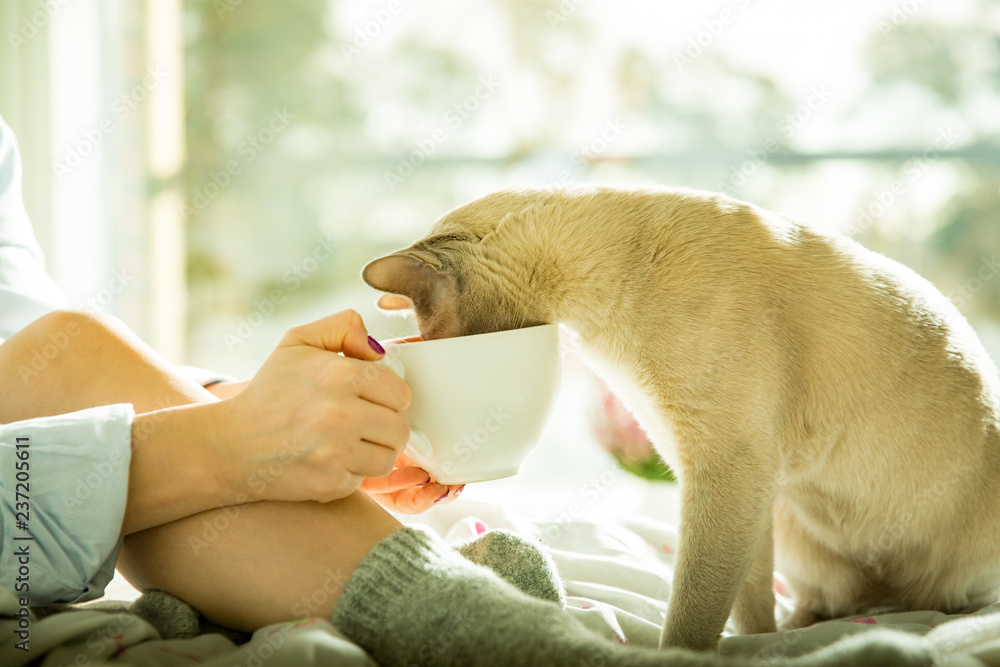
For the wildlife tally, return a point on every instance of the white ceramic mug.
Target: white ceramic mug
(479, 403)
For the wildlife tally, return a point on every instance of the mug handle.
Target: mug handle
(419, 443)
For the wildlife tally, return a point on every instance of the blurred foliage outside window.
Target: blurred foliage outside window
(321, 134)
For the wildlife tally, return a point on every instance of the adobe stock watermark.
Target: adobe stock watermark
(913, 171)
(262, 647)
(586, 153)
(34, 23)
(712, 29)
(121, 108)
(787, 127)
(92, 478)
(99, 302)
(463, 449)
(900, 14)
(591, 492)
(435, 649)
(105, 640)
(369, 31)
(988, 269)
(219, 523)
(565, 9)
(56, 342)
(894, 534)
(248, 149)
(471, 443)
(257, 482)
(309, 605)
(779, 652)
(294, 277)
(454, 117)
(950, 638)
(224, 7)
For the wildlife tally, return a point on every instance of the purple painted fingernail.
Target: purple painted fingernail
(375, 345)
(459, 490)
(442, 497)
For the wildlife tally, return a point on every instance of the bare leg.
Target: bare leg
(243, 566)
(260, 563)
(67, 361)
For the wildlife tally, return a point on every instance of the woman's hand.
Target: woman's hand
(409, 489)
(312, 423)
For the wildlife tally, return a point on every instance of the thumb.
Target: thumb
(341, 332)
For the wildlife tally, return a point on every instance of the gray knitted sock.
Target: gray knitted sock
(414, 601)
(172, 617)
(517, 561)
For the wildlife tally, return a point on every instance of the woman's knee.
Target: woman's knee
(62, 338)
(53, 361)
(68, 327)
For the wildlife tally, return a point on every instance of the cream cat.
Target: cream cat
(820, 403)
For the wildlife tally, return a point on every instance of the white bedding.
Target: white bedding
(617, 575)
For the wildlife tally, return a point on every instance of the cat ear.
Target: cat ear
(408, 277)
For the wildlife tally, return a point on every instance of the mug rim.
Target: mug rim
(405, 340)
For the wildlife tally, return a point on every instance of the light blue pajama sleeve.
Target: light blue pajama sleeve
(75, 470)
(63, 487)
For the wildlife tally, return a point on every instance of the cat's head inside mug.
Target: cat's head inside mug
(459, 279)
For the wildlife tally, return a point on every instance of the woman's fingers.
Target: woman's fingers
(397, 480)
(377, 384)
(341, 332)
(415, 499)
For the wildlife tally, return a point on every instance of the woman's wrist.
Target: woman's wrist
(180, 465)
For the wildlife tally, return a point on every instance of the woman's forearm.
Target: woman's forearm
(177, 467)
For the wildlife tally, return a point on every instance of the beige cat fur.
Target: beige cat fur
(820, 403)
